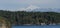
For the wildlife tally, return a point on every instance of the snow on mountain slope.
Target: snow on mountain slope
(38, 9)
(35, 9)
(30, 8)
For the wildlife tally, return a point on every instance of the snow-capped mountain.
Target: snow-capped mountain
(30, 8)
(38, 9)
(33, 8)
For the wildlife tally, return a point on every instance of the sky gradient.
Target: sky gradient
(16, 4)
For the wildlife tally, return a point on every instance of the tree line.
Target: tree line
(22, 17)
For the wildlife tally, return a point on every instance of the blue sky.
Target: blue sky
(15, 4)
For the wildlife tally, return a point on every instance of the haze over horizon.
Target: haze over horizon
(16, 5)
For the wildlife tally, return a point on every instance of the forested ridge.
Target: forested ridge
(21, 17)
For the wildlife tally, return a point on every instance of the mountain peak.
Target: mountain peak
(29, 8)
